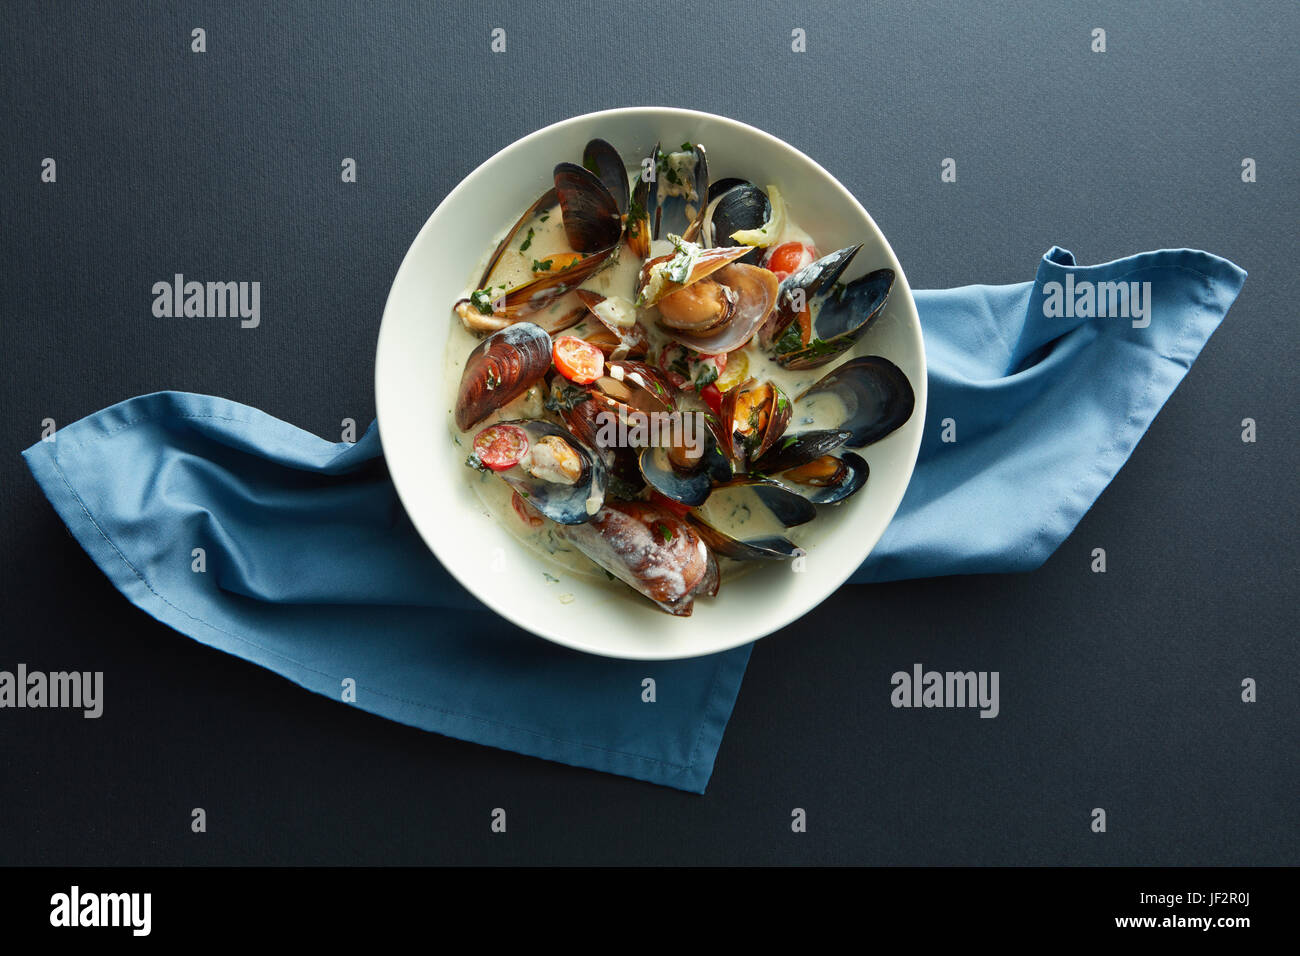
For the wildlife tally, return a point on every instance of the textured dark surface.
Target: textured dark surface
(1118, 690)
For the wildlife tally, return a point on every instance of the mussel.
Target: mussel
(554, 472)
(736, 205)
(833, 316)
(604, 160)
(651, 549)
(808, 464)
(683, 473)
(753, 415)
(869, 397)
(757, 511)
(500, 369)
(706, 300)
(592, 219)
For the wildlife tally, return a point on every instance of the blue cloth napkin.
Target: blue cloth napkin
(309, 566)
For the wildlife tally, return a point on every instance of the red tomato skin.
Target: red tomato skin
(583, 349)
(790, 257)
(713, 398)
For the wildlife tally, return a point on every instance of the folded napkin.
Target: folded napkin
(309, 566)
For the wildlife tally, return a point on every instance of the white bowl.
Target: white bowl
(429, 470)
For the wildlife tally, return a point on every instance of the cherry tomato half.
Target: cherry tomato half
(500, 447)
(790, 257)
(713, 398)
(578, 361)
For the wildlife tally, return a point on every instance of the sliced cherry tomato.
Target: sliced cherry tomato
(676, 507)
(713, 398)
(790, 257)
(578, 361)
(500, 447)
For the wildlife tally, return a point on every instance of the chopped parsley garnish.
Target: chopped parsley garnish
(542, 266)
(666, 533)
(707, 376)
(544, 216)
(481, 300)
(527, 242)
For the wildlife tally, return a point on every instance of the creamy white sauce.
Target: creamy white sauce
(544, 236)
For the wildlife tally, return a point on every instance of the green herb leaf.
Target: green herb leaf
(527, 242)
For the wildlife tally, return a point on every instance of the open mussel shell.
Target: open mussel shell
(741, 206)
(759, 504)
(767, 418)
(538, 300)
(844, 315)
(872, 398)
(500, 369)
(827, 479)
(650, 549)
(546, 201)
(751, 293)
(798, 289)
(565, 504)
(706, 264)
(604, 160)
(799, 449)
(592, 220)
(638, 229)
(682, 194)
(674, 474)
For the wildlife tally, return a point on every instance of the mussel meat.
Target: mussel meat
(548, 467)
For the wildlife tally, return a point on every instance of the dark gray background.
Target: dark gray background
(1118, 690)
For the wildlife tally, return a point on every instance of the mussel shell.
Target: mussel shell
(799, 449)
(876, 395)
(592, 221)
(755, 291)
(500, 369)
(639, 227)
(778, 417)
(546, 201)
(604, 160)
(692, 486)
(744, 206)
(564, 504)
(543, 291)
(850, 479)
(700, 185)
(820, 274)
(650, 549)
(845, 314)
(786, 506)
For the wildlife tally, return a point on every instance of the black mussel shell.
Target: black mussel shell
(800, 287)
(565, 504)
(849, 478)
(604, 160)
(592, 221)
(876, 395)
(744, 206)
(846, 312)
(799, 449)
